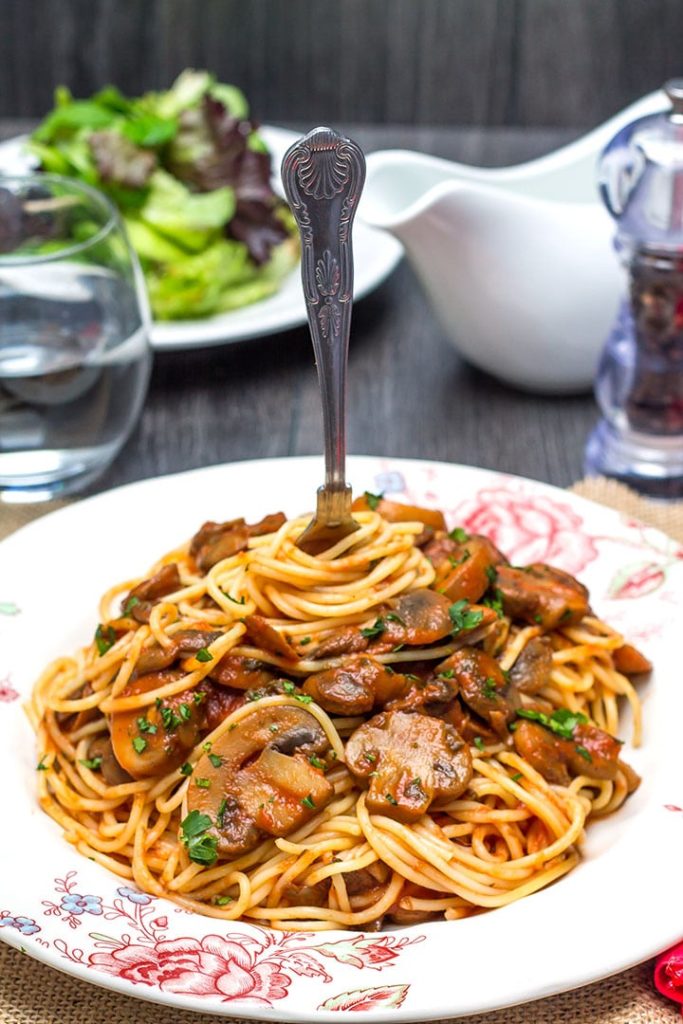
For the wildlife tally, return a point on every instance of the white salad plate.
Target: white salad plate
(376, 254)
(622, 904)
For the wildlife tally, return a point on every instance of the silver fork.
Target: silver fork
(323, 176)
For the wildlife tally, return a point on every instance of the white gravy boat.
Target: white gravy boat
(517, 261)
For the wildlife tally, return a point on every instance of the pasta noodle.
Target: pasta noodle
(509, 833)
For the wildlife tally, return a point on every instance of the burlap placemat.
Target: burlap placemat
(31, 993)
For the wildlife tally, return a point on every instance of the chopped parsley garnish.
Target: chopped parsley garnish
(369, 756)
(538, 619)
(391, 799)
(145, 726)
(201, 848)
(206, 747)
(105, 637)
(130, 604)
(169, 719)
(305, 640)
(215, 760)
(566, 614)
(462, 616)
(489, 688)
(220, 901)
(303, 698)
(139, 744)
(202, 783)
(288, 687)
(562, 722)
(374, 630)
(413, 678)
(495, 603)
(185, 712)
(393, 617)
(316, 762)
(516, 777)
(585, 754)
(478, 742)
(455, 562)
(204, 654)
(41, 766)
(446, 674)
(273, 727)
(309, 802)
(222, 808)
(373, 500)
(233, 599)
(93, 763)
(186, 769)
(397, 648)
(198, 696)
(491, 573)
(459, 535)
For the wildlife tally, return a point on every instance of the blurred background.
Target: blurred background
(443, 62)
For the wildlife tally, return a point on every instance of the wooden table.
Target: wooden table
(409, 393)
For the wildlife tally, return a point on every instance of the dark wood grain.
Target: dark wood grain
(479, 62)
(410, 394)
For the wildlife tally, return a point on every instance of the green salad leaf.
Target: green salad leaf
(191, 176)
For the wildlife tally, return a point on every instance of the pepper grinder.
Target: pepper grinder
(639, 384)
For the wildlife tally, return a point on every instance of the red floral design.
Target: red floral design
(383, 996)
(529, 528)
(669, 974)
(637, 580)
(7, 691)
(211, 966)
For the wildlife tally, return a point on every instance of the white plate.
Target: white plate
(622, 903)
(376, 253)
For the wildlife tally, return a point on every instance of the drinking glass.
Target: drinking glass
(74, 324)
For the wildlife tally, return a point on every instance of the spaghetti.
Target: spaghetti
(229, 737)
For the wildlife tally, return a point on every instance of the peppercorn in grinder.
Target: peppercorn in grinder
(639, 383)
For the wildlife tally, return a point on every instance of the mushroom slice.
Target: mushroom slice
(542, 595)
(419, 617)
(216, 541)
(469, 570)
(630, 661)
(141, 599)
(411, 761)
(258, 778)
(261, 633)
(156, 739)
(343, 640)
(396, 512)
(242, 673)
(480, 682)
(590, 751)
(531, 671)
(356, 686)
(112, 772)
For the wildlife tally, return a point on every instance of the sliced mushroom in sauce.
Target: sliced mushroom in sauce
(258, 780)
(155, 739)
(216, 541)
(142, 598)
(409, 761)
(542, 595)
(480, 681)
(356, 686)
(590, 751)
(531, 671)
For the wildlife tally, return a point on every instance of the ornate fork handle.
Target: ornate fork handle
(323, 176)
